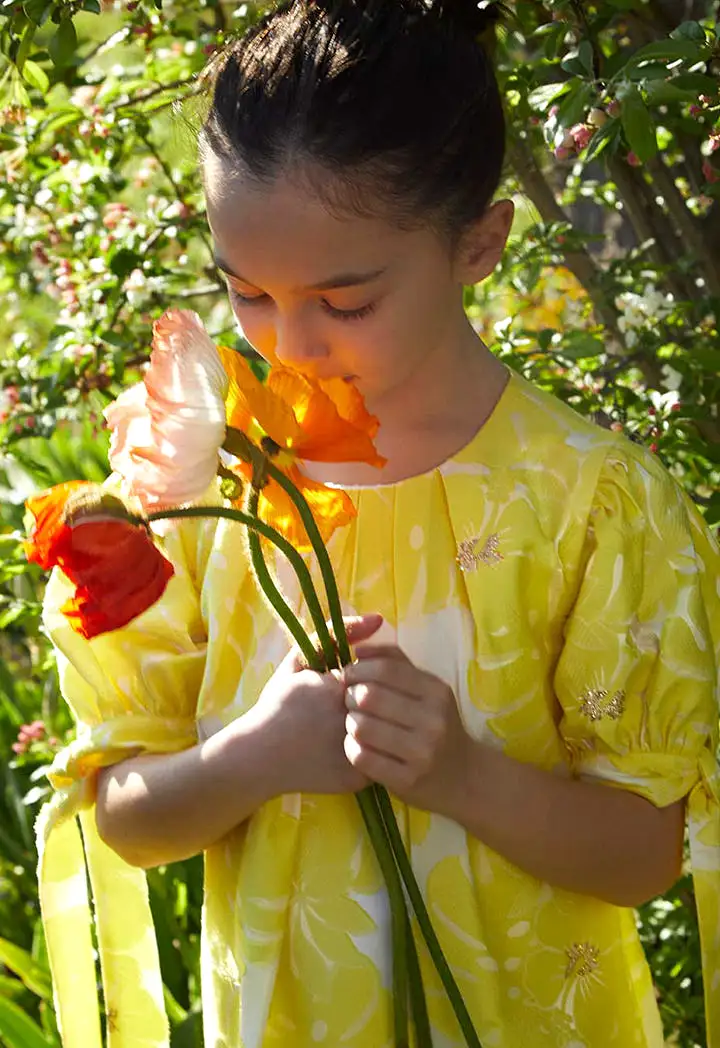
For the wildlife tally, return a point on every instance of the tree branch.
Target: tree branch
(690, 233)
(579, 261)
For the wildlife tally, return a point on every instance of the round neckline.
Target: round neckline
(489, 422)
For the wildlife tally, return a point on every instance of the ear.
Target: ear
(482, 245)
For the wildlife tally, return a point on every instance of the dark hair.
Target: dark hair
(396, 96)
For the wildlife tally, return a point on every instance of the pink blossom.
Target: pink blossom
(36, 730)
(582, 136)
(18, 747)
(561, 153)
(166, 431)
(633, 159)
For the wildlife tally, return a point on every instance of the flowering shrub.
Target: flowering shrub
(608, 295)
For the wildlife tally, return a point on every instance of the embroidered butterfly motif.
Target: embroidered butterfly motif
(583, 958)
(468, 557)
(594, 705)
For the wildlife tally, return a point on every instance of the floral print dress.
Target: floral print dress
(555, 576)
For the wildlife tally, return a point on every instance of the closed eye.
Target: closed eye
(333, 311)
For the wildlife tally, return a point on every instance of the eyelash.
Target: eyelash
(338, 314)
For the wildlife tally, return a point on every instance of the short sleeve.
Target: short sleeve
(638, 676)
(131, 691)
(637, 679)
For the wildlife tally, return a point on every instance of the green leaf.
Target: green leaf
(92, 6)
(17, 1030)
(10, 987)
(63, 45)
(19, 961)
(543, 97)
(575, 104)
(697, 83)
(123, 262)
(607, 134)
(638, 124)
(666, 50)
(25, 45)
(37, 10)
(35, 76)
(689, 31)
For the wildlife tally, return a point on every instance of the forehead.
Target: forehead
(284, 231)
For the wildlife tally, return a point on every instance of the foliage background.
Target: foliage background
(608, 296)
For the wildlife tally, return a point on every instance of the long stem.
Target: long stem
(418, 1004)
(323, 559)
(268, 585)
(398, 913)
(255, 526)
(274, 596)
(443, 969)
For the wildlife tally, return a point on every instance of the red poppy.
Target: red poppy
(117, 570)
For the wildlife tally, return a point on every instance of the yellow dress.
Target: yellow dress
(555, 576)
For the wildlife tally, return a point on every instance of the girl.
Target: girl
(536, 615)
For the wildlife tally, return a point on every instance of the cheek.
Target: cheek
(256, 328)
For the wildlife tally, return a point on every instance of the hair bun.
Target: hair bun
(473, 16)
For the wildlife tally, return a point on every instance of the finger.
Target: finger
(381, 736)
(391, 673)
(377, 767)
(384, 703)
(357, 627)
(362, 627)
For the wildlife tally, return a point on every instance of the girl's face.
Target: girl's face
(329, 295)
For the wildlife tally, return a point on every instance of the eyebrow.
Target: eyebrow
(339, 281)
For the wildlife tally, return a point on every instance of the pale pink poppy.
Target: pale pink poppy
(167, 430)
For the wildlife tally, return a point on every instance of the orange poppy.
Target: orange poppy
(88, 534)
(321, 421)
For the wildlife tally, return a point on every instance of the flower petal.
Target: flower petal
(95, 553)
(48, 529)
(251, 402)
(327, 436)
(166, 431)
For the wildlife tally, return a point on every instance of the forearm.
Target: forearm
(582, 836)
(157, 809)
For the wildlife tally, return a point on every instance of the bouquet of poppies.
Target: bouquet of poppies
(199, 414)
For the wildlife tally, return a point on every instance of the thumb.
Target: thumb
(362, 627)
(358, 629)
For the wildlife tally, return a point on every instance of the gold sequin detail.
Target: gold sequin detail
(582, 960)
(594, 706)
(468, 557)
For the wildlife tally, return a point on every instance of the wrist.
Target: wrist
(251, 744)
(459, 800)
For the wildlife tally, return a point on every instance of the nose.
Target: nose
(297, 344)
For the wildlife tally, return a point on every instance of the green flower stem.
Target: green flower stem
(443, 969)
(271, 591)
(323, 559)
(398, 913)
(421, 1021)
(255, 527)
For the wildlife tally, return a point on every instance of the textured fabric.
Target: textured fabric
(556, 578)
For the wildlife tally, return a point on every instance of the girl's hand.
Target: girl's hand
(404, 729)
(300, 718)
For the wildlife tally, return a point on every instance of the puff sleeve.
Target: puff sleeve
(637, 679)
(131, 691)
